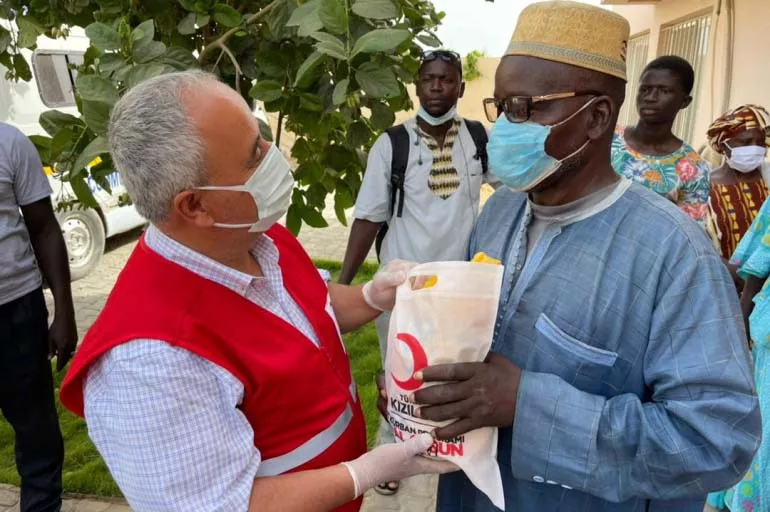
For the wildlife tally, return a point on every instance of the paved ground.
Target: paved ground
(9, 502)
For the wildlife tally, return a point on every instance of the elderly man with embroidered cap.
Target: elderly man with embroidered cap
(619, 374)
(215, 378)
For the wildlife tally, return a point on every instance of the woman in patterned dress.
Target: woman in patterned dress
(738, 187)
(649, 153)
(752, 258)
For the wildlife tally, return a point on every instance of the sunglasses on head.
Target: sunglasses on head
(447, 56)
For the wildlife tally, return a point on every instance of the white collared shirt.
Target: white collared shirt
(431, 228)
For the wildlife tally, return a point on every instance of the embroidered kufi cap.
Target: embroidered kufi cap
(573, 33)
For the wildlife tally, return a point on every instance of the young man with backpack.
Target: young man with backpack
(420, 194)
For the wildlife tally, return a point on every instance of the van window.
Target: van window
(55, 80)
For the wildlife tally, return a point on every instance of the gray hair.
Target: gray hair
(154, 145)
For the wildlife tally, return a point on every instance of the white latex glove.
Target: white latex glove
(380, 292)
(394, 462)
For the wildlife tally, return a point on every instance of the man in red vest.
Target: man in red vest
(215, 378)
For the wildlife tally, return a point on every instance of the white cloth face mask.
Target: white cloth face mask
(746, 158)
(271, 186)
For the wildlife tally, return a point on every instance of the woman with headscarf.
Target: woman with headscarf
(738, 187)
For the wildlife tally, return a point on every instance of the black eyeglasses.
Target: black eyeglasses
(518, 109)
(447, 56)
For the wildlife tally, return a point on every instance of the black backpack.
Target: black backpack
(399, 141)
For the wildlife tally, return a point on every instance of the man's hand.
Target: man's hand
(475, 394)
(62, 339)
(380, 292)
(382, 394)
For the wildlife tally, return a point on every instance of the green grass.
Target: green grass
(84, 470)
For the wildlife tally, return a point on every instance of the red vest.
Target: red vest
(300, 399)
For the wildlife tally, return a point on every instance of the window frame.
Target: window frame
(70, 73)
(684, 126)
(629, 113)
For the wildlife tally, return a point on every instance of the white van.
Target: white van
(52, 87)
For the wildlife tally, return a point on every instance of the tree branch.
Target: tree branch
(229, 53)
(279, 129)
(220, 42)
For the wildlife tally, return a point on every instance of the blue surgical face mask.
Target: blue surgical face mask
(437, 121)
(517, 153)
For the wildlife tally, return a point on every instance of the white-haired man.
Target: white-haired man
(215, 378)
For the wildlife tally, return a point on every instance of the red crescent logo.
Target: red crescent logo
(419, 358)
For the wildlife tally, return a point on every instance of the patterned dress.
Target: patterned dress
(682, 176)
(752, 257)
(733, 208)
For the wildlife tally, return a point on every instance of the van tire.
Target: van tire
(84, 236)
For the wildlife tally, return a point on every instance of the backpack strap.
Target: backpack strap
(399, 142)
(479, 136)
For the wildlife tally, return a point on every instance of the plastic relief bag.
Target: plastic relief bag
(445, 313)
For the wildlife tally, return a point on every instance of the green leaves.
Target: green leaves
(227, 16)
(187, 24)
(29, 30)
(267, 90)
(382, 116)
(96, 115)
(306, 18)
(190, 5)
(333, 70)
(110, 62)
(149, 51)
(96, 88)
(179, 58)
(310, 102)
(429, 39)
(103, 36)
(358, 134)
(142, 72)
(98, 146)
(294, 219)
(380, 40)
(5, 39)
(143, 33)
(21, 67)
(375, 9)
(330, 45)
(313, 218)
(81, 190)
(145, 49)
(307, 68)
(54, 121)
(333, 16)
(340, 92)
(377, 82)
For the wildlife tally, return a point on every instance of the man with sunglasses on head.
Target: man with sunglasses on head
(421, 190)
(619, 374)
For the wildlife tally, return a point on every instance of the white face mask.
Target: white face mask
(437, 121)
(746, 158)
(271, 186)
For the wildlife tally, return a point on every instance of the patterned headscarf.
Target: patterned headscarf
(744, 118)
